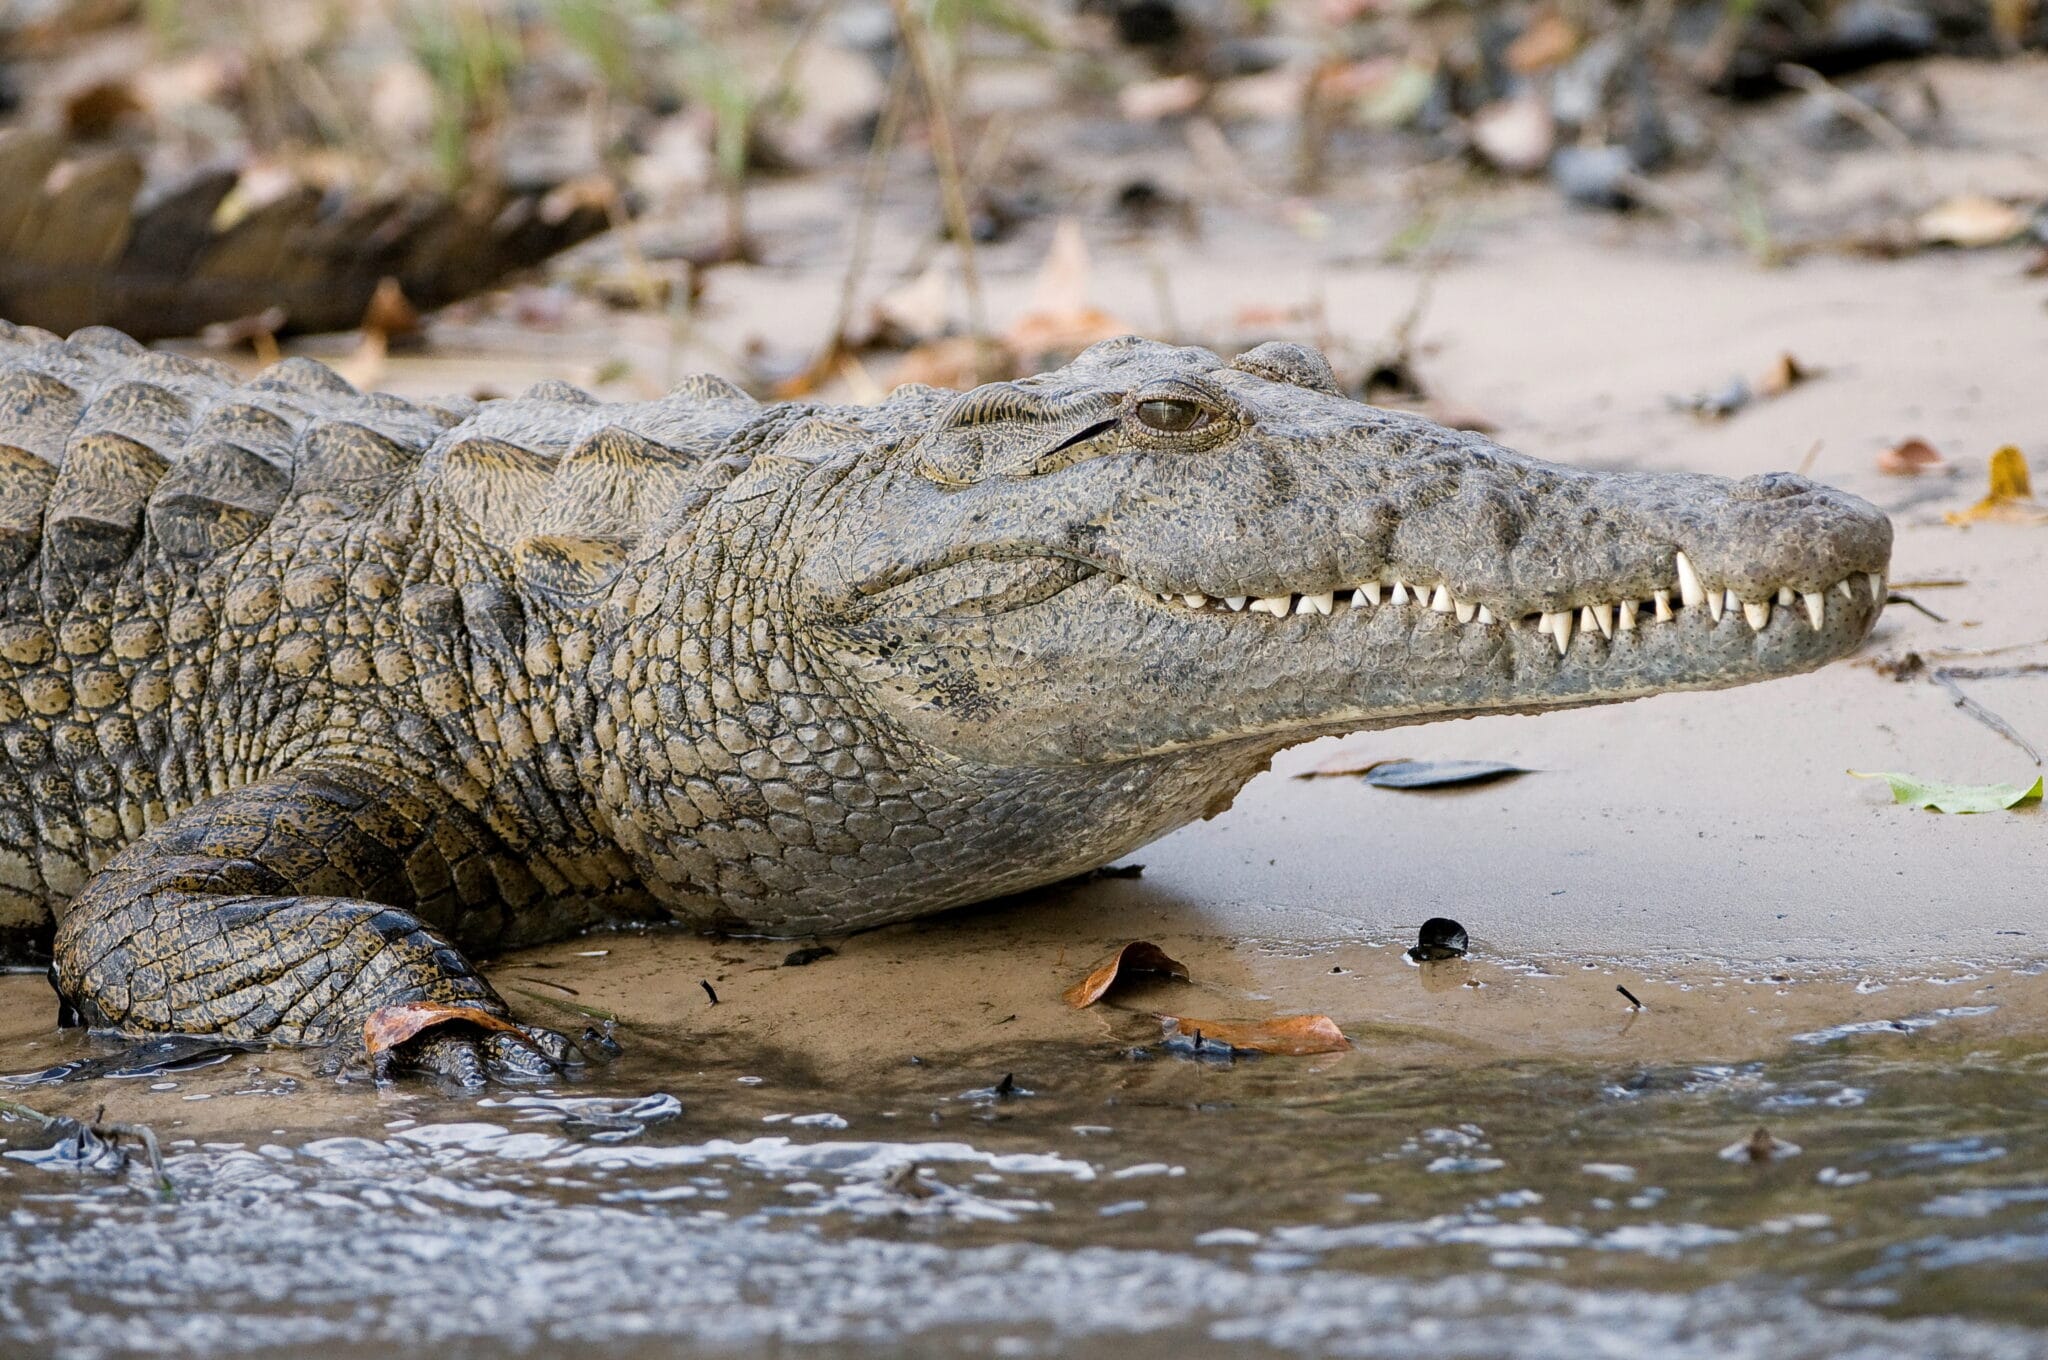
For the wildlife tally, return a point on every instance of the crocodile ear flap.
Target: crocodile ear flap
(1282, 361)
(1009, 430)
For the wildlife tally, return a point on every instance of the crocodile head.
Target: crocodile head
(1152, 551)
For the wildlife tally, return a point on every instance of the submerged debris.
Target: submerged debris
(1760, 1147)
(1291, 1036)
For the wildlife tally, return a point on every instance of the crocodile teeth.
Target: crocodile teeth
(1279, 606)
(1369, 593)
(1599, 616)
(1785, 596)
(1466, 610)
(1717, 602)
(1441, 600)
(1877, 587)
(1321, 604)
(1847, 592)
(1400, 595)
(1236, 603)
(1485, 614)
(1663, 600)
(1628, 616)
(1559, 625)
(1689, 588)
(1758, 613)
(1194, 601)
(1816, 608)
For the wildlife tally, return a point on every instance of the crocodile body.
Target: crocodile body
(307, 695)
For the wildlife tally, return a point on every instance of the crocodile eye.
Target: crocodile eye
(1172, 417)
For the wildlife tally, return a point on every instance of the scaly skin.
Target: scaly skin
(305, 695)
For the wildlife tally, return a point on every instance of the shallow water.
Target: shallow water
(1382, 1202)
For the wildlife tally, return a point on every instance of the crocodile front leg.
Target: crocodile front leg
(290, 912)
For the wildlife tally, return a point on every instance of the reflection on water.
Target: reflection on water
(1519, 1209)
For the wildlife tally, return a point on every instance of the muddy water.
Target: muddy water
(1511, 1161)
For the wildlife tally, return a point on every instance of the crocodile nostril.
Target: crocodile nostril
(1772, 486)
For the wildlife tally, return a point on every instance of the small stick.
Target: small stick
(1628, 994)
(1856, 110)
(708, 991)
(946, 157)
(1983, 714)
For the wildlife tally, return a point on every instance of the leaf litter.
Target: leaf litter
(1939, 796)
(2010, 499)
(1137, 957)
(1292, 1036)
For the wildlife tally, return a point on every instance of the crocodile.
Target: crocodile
(309, 696)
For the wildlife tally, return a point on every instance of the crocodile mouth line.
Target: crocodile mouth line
(1626, 615)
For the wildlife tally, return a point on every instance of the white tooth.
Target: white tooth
(1162, 597)
(1843, 586)
(1276, 605)
(1321, 604)
(1731, 600)
(1467, 610)
(1785, 596)
(1689, 588)
(1194, 601)
(1663, 600)
(1559, 626)
(1816, 608)
(1758, 614)
(1876, 587)
(1400, 595)
(1440, 601)
(1485, 614)
(1717, 601)
(1599, 616)
(1369, 593)
(1628, 616)
(1235, 602)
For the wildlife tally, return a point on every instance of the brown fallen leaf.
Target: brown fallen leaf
(1784, 375)
(1139, 956)
(1060, 320)
(1969, 221)
(1547, 41)
(2011, 500)
(1912, 458)
(389, 1026)
(1151, 101)
(1341, 765)
(1293, 1036)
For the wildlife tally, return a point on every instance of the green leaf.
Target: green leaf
(1931, 793)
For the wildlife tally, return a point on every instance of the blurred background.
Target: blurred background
(820, 198)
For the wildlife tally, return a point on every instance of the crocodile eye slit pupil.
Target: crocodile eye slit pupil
(1173, 417)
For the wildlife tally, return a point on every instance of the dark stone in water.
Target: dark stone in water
(1439, 938)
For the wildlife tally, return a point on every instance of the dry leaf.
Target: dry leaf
(1913, 458)
(1139, 956)
(1548, 40)
(1149, 101)
(1784, 375)
(389, 1026)
(1970, 220)
(2011, 500)
(1059, 319)
(951, 362)
(1342, 764)
(917, 310)
(1292, 1036)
